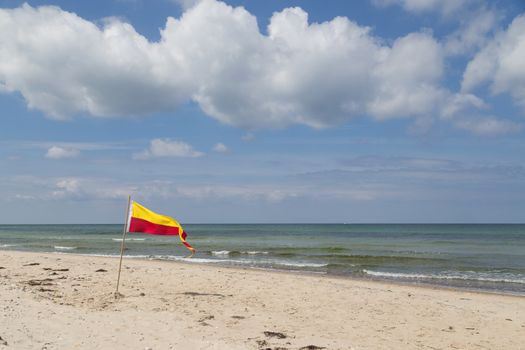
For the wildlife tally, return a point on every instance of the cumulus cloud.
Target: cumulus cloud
(408, 76)
(57, 152)
(64, 65)
(165, 148)
(500, 63)
(220, 148)
(315, 74)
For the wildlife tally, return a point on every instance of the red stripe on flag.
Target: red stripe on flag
(144, 226)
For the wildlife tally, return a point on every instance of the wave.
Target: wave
(8, 245)
(464, 277)
(183, 258)
(263, 263)
(366, 260)
(254, 252)
(299, 264)
(221, 253)
(236, 253)
(58, 247)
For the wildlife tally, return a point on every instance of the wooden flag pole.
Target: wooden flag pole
(125, 230)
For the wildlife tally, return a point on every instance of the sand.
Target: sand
(63, 301)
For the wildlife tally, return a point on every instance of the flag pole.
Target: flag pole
(124, 231)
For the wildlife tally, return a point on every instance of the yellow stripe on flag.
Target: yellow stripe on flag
(140, 212)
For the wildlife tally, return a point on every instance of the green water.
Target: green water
(486, 257)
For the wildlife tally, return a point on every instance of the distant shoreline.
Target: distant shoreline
(286, 223)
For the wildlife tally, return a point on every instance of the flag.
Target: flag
(141, 219)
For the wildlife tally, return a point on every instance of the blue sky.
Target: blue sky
(263, 111)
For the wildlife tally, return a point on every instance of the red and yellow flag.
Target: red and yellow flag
(141, 219)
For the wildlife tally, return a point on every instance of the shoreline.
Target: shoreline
(65, 300)
(295, 272)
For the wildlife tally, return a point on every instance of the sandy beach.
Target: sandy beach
(63, 301)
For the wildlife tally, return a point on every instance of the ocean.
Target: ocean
(467, 256)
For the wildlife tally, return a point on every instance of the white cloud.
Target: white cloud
(81, 146)
(408, 78)
(163, 148)
(462, 111)
(473, 32)
(186, 4)
(63, 65)
(354, 180)
(461, 103)
(87, 188)
(500, 63)
(220, 148)
(299, 73)
(57, 152)
(476, 19)
(62, 188)
(486, 126)
(445, 7)
(68, 185)
(315, 74)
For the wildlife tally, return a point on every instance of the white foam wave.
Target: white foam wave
(238, 261)
(221, 253)
(299, 264)
(245, 252)
(470, 277)
(8, 245)
(58, 247)
(193, 260)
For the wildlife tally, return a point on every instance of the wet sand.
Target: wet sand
(63, 301)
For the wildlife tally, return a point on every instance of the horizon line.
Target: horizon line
(293, 223)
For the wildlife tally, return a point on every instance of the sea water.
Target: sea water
(471, 256)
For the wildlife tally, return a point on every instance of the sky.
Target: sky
(372, 111)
